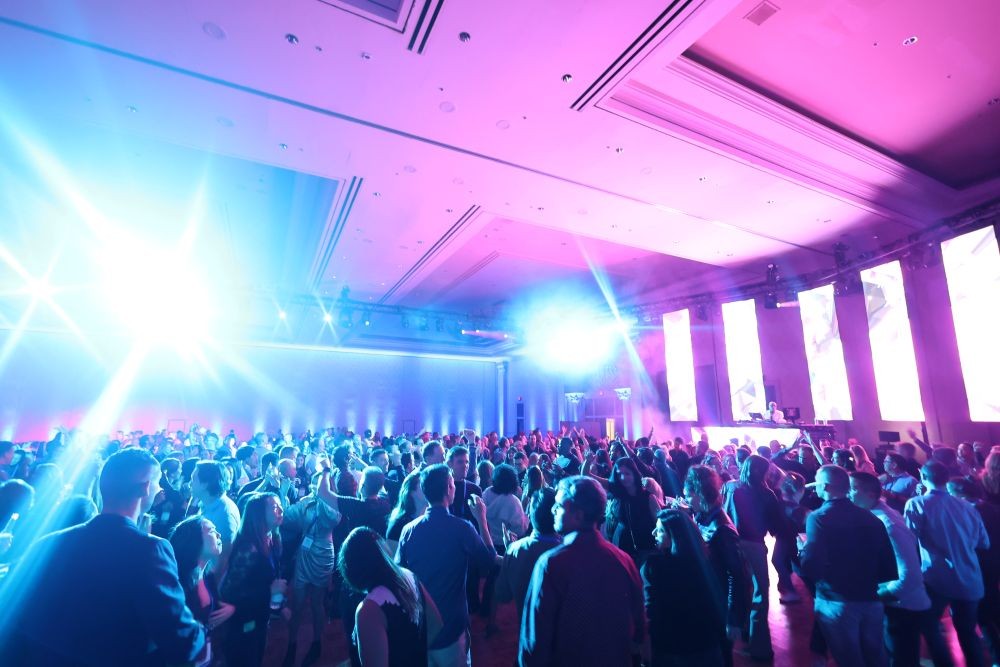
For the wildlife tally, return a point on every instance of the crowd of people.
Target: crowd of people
(187, 547)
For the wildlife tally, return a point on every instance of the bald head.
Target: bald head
(832, 482)
(287, 468)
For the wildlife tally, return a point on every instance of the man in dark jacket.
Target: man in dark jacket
(847, 554)
(703, 492)
(104, 593)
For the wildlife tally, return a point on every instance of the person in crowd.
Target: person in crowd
(371, 509)
(557, 627)
(314, 520)
(949, 531)
(252, 583)
(989, 562)
(397, 619)
(862, 463)
(685, 610)
(755, 512)
(567, 462)
(438, 548)
(504, 512)
(432, 453)
(909, 453)
(458, 461)
(246, 467)
(792, 521)
(208, 489)
(843, 458)
(6, 458)
(169, 508)
(534, 481)
(847, 605)
(197, 543)
(898, 486)
(264, 481)
(991, 477)
(344, 481)
(507, 522)
(17, 498)
(521, 555)
(967, 461)
(631, 510)
(703, 493)
(905, 598)
(104, 593)
(410, 505)
(484, 473)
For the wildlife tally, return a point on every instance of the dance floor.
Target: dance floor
(791, 626)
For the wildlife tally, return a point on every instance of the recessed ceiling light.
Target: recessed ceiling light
(446, 106)
(457, 181)
(291, 39)
(448, 210)
(410, 169)
(503, 124)
(132, 108)
(283, 147)
(376, 194)
(319, 49)
(223, 121)
(464, 37)
(567, 78)
(213, 30)
(646, 171)
(909, 41)
(619, 150)
(365, 55)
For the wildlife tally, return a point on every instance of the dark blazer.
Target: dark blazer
(101, 594)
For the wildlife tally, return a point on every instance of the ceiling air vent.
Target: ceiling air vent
(761, 13)
(390, 13)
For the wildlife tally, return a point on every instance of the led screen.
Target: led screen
(972, 264)
(892, 344)
(680, 366)
(746, 378)
(825, 354)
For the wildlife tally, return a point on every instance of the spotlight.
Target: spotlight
(772, 274)
(701, 312)
(771, 300)
(327, 317)
(282, 315)
(366, 318)
(423, 323)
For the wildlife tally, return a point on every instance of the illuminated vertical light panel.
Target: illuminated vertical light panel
(825, 354)
(892, 344)
(972, 264)
(746, 377)
(683, 404)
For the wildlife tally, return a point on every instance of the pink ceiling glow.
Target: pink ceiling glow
(673, 146)
(918, 80)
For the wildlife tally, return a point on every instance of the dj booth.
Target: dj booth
(761, 433)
